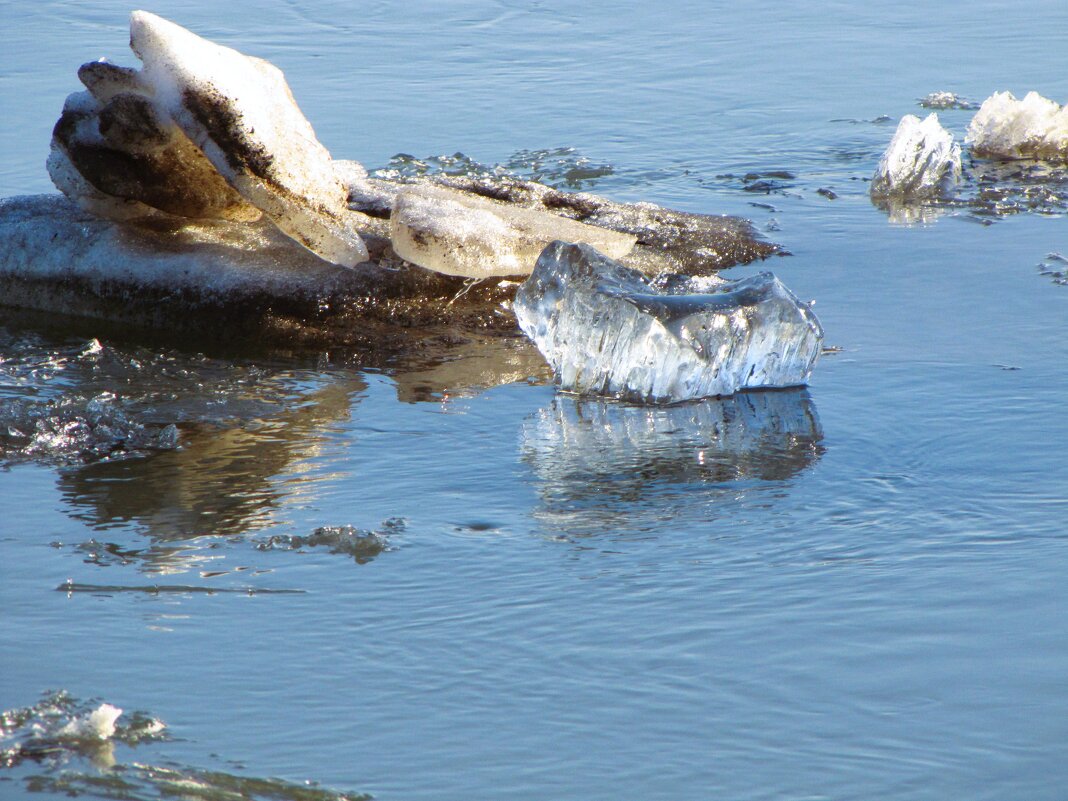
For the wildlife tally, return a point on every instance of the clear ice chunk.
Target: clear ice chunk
(921, 161)
(608, 330)
(458, 233)
(1004, 127)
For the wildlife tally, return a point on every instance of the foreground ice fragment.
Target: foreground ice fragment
(1005, 127)
(607, 330)
(921, 161)
(459, 233)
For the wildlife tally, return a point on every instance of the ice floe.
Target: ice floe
(1035, 127)
(944, 101)
(64, 747)
(195, 176)
(608, 330)
(922, 160)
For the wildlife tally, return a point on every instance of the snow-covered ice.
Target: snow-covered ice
(1004, 127)
(459, 233)
(202, 131)
(608, 330)
(921, 161)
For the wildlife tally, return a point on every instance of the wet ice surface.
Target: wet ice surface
(579, 608)
(608, 330)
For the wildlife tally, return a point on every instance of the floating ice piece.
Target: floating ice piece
(607, 330)
(944, 101)
(921, 161)
(459, 233)
(1005, 127)
(98, 724)
(668, 240)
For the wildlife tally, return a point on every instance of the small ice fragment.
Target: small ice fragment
(944, 101)
(1005, 127)
(608, 330)
(240, 112)
(98, 724)
(457, 233)
(921, 161)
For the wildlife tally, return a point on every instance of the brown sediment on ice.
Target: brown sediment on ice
(222, 280)
(667, 239)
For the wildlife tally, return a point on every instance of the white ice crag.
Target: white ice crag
(921, 161)
(607, 330)
(458, 233)
(202, 131)
(97, 725)
(1005, 127)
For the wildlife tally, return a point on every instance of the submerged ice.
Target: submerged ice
(609, 330)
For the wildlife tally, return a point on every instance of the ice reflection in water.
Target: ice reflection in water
(220, 482)
(470, 368)
(606, 467)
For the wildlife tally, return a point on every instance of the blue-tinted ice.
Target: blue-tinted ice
(609, 330)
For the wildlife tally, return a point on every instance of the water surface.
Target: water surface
(849, 591)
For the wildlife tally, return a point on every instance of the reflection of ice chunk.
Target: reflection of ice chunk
(462, 234)
(1034, 127)
(921, 161)
(98, 724)
(606, 330)
(605, 467)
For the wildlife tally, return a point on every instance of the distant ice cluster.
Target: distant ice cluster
(1022, 140)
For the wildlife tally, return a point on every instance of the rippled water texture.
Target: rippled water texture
(431, 576)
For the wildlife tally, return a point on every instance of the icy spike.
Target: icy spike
(608, 330)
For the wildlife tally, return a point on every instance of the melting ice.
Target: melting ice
(462, 234)
(608, 330)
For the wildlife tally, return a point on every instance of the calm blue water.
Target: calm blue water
(851, 591)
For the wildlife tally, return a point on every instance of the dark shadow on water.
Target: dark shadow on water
(605, 467)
